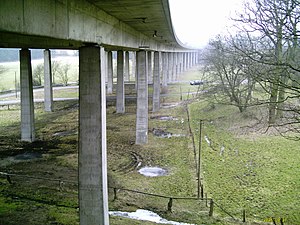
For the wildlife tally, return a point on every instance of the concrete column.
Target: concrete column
(126, 67)
(150, 71)
(194, 59)
(164, 69)
(27, 106)
(103, 65)
(156, 83)
(180, 62)
(175, 66)
(169, 67)
(134, 69)
(142, 98)
(184, 61)
(109, 73)
(48, 93)
(92, 164)
(120, 82)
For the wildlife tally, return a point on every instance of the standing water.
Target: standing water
(145, 215)
(152, 171)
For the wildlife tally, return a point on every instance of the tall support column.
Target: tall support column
(104, 70)
(175, 66)
(170, 64)
(164, 69)
(134, 69)
(181, 62)
(142, 98)
(126, 68)
(184, 61)
(156, 83)
(48, 93)
(92, 165)
(109, 72)
(120, 82)
(150, 71)
(27, 105)
(194, 59)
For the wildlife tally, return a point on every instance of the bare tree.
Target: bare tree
(55, 67)
(2, 69)
(231, 71)
(275, 22)
(38, 74)
(63, 73)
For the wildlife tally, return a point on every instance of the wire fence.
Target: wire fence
(60, 184)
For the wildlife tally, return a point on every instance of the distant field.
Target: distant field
(11, 76)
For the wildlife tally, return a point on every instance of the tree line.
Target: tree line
(58, 70)
(260, 63)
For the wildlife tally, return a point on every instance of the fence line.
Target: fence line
(171, 198)
(8, 175)
(211, 204)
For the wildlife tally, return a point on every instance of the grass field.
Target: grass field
(10, 78)
(243, 168)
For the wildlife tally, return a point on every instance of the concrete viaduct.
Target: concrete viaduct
(95, 28)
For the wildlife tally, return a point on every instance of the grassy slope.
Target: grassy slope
(256, 172)
(263, 182)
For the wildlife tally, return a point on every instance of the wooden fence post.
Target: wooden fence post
(244, 215)
(211, 209)
(170, 204)
(8, 179)
(281, 221)
(115, 194)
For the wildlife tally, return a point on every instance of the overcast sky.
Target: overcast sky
(196, 21)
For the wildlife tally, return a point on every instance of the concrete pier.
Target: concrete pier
(164, 69)
(109, 73)
(156, 82)
(48, 92)
(92, 166)
(170, 66)
(150, 71)
(27, 106)
(126, 67)
(120, 82)
(142, 98)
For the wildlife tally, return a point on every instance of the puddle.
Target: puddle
(27, 156)
(145, 215)
(153, 171)
(64, 133)
(164, 118)
(161, 133)
(169, 105)
(165, 134)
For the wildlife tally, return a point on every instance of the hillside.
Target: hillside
(242, 167)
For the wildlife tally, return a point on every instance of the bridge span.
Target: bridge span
(96, 28)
